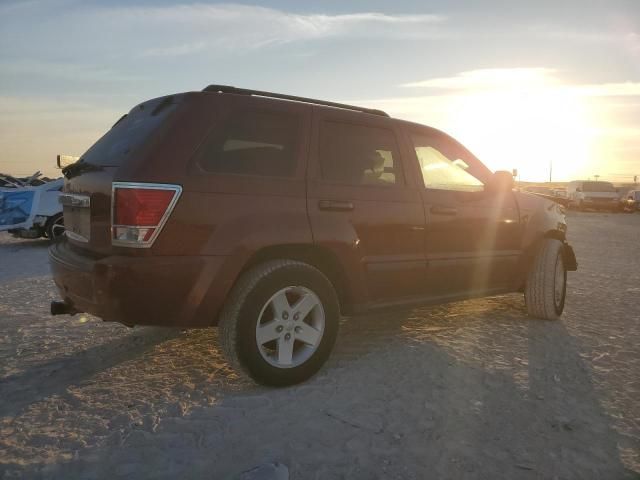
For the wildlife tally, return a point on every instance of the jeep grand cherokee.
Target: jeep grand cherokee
(271, 216)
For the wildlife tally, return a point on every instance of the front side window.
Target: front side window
(253, 143)
(443, 167)
(359, 155)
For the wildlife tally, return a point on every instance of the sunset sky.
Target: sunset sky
(522, 84)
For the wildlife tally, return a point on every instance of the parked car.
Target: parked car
(585, 194)
(32, 211)
(271, 216)
(558, 196)
(631, 201)
(539, 190)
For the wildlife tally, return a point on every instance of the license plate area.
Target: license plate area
(77, 223)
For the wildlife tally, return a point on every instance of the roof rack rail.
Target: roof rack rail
(259, 93)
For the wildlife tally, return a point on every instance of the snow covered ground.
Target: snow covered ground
(473, 389)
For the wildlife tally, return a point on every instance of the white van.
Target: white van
(585, 194)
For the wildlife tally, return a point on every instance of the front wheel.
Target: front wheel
(54, 227)
(546, 287)
(280, 322)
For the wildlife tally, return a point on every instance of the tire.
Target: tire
(253, 306)
(546, 287)
(54, 227)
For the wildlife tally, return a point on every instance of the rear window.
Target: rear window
(259, 143)
(359, 155)
(130, 132)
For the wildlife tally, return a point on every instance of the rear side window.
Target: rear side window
(359, 155)
(254, 143)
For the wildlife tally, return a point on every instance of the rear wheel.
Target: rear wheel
(280, 322)
(546, 287)
(55, 227)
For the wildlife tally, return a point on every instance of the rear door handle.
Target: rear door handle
(441, 210)
(335, 205)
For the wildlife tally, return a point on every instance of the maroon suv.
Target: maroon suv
(271, 215)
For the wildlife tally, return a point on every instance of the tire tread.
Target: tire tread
(539, 290)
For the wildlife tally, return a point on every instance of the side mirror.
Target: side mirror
(578, 189)
(501, 181)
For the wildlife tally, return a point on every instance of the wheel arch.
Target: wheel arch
(532, 250)
(554, 233)
(319, 257)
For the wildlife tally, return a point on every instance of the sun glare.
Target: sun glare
(533, 128)
(519, 118)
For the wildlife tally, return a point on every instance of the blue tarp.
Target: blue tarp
(15, 207)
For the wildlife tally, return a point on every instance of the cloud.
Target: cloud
(69, 40)
(174, 51)
(523, 79)
(189, 28)
(623, 89)
(268, 19)
(488, 78)
(65, 71)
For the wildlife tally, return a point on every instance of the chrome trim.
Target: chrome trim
(74, 200)
(151, 186)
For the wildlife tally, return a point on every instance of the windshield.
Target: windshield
(598, 187)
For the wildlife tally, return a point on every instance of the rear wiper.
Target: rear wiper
(78, 168)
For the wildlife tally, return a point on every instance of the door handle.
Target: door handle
(335, 205)
(441, 210)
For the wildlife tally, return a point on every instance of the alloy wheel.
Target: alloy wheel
(290, 327)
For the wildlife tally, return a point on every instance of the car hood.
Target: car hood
(561, 200)
(542, 214)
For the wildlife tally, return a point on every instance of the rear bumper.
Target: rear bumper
(185, 291)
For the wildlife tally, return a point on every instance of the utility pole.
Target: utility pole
(550, 169)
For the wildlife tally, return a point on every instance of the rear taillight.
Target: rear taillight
(139, 211)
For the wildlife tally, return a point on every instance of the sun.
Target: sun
(515, 118)
(541, 132)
